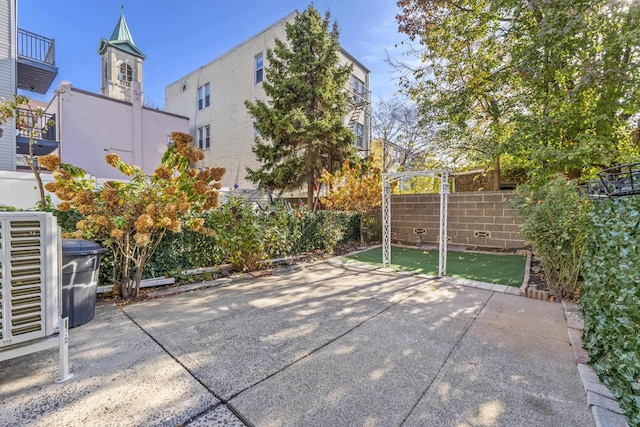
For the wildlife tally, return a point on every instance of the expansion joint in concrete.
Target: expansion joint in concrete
(444, 362)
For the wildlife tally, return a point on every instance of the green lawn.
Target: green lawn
(490, 268)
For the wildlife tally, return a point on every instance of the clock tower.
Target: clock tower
(121, 63)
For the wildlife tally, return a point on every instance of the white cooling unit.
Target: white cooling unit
(30, 287)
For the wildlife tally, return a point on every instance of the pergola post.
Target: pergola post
(387, 179)
(444, 200)
(386, 221)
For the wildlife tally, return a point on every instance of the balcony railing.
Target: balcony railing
(40, 131)
(36, 47)
(43, 128)
(621, 180)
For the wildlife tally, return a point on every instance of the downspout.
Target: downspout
(59, 122)
(11, 124)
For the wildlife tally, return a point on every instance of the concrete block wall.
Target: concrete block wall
(483, 219)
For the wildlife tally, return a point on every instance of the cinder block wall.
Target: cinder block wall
(483, 219)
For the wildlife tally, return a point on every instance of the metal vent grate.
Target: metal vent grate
(30, 288)
(25, 269)
(26, 278)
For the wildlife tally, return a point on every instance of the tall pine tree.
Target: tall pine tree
(301, 129)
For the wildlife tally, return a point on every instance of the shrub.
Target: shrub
(132, 217)
(249, 235)
(323, 230)
(610, 303)
(182, 251)
(554, 221)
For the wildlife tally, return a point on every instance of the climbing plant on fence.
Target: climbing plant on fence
(610, 302)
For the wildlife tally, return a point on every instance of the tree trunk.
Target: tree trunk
(36, 173)
(496, 174)
(125, 282)
(310, 183)
(137, 279)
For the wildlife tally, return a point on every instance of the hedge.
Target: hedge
(610, 303)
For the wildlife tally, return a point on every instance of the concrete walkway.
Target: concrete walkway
(316, 345)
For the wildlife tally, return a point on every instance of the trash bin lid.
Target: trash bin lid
(81, 247)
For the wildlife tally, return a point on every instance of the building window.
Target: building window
(360, 136)
(259, 68)
(126, 74)
(358, 89)
(204, 96)
(106, 72)
(204, 138)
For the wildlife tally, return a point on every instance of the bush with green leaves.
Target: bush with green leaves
(245, 236)
(554, 221)
(183, 251)
(610, 303)
(248, 235)
(323, 230)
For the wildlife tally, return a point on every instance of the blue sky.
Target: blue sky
(178, 37)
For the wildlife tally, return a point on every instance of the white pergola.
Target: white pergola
(387, 179)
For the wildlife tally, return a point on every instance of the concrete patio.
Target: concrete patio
(324, 344)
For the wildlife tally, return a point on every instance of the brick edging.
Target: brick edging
(604, 406)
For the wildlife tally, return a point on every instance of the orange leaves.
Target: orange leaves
(49, 161)
(113, 159)
(354, 188)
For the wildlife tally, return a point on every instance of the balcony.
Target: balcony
(43, 132)
(36, 62)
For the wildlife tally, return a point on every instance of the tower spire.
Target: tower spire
(121, 62)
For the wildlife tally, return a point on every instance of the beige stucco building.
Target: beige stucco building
(213, 98)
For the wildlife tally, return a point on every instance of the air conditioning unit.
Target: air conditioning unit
(30, 287)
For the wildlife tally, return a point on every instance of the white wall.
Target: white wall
(90, 126)
(19, 189)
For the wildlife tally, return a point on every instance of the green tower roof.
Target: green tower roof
(121, 39)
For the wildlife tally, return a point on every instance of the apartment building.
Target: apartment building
(27, 61)
(213, 97)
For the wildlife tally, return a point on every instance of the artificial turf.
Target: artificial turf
(491, 268)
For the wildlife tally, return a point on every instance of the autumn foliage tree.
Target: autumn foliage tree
(354, 188)
(131, 217)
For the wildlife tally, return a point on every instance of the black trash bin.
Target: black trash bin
(80, 265)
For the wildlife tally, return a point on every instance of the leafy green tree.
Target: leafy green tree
(301, 129)
(556, 83)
